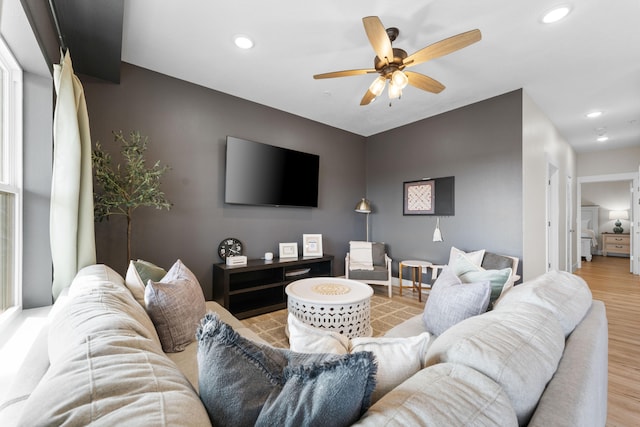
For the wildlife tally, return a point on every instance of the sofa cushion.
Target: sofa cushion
(97, 301)
(114, 377)
(409, 328)
(176, 305)
(469, 272)
(450, 301)
(568, 296)
(519, 349)
(107, 365)
(138, 275)
(378, 273)
(245, 383)
(443, 395)
(397, 358)
(187, 360)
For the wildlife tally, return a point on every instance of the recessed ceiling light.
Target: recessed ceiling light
(556, 14)
(594, 114)
(243, 42)
(603, 138)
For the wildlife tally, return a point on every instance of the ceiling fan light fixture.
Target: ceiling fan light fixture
(556, 14)
(603, 138)
(594, 114)
(399, 79)
(378, 85)
(395, 92)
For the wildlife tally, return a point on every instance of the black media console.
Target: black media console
(258, 287)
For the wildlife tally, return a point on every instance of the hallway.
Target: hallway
(611, 282)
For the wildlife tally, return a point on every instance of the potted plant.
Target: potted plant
(124, 189)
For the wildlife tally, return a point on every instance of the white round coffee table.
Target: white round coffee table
(332, 303)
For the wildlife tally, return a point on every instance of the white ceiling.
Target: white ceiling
(589, 61)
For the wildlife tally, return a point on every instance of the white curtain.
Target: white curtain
(71, 222)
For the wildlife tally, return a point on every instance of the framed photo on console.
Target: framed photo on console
(289, 250)
(311, 245)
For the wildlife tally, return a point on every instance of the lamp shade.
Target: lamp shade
(618, 215)
(363, 206)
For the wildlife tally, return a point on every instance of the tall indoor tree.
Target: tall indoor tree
(125, 188)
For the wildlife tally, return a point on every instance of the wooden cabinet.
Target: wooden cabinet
(258, 287)
(616, 243)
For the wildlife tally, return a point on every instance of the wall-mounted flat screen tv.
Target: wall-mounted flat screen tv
(262, 174)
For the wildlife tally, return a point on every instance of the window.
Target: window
(10, 184)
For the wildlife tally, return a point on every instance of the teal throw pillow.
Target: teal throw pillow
(244, 383)
(471, 273)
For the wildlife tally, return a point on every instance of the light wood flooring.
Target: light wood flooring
(611, 282)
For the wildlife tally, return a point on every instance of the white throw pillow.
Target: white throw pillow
(475, 257)
(397, 358)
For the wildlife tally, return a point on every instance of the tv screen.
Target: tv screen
(262, 174)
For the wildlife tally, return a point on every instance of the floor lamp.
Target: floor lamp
(364, 207)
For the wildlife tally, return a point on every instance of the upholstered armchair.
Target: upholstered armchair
(369, 263)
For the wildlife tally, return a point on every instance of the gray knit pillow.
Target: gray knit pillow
(175, 305)
(451, 301)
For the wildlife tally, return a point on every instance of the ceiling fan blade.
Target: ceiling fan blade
(367, 98)
(424, 82)
(443, 47)
(378, 37)
(344, 73)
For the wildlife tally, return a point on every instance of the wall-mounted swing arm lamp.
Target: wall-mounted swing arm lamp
(364, 207)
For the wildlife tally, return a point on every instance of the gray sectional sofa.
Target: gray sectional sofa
(539, 358)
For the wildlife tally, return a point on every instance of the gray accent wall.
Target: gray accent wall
(481, 146)
(187, 126)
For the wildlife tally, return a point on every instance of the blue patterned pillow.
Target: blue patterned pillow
(245, 383)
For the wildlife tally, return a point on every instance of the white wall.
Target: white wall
(542, 144)
(609, 161)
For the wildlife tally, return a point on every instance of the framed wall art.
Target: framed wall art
(311, 245)
(289, 250)
(430, 196)
(419, 197)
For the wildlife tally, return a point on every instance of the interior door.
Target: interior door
(569, 227)
(553, 250)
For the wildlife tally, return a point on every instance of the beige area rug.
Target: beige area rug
(385, 314)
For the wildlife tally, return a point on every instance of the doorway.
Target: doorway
(631, 204)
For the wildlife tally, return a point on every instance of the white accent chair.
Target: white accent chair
(380, 271)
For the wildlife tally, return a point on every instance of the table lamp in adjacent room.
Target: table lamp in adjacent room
(364, 207)
(618, 215)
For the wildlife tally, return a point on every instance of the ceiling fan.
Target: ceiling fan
(390, 62)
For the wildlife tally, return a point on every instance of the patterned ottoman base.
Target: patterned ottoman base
(331, 303)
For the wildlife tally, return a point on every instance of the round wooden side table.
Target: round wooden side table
(416, 266)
